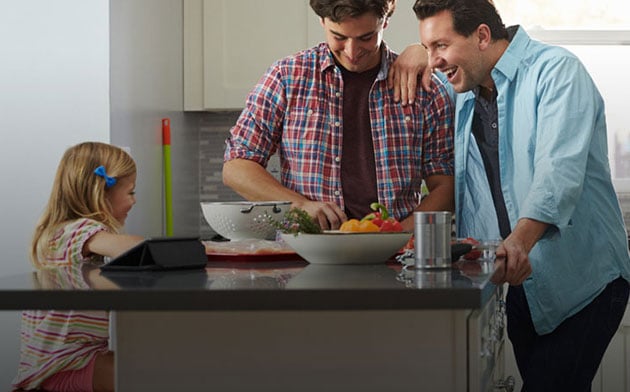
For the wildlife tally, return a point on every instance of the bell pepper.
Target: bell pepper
(391, 225)
(368, 227)
(380, 209)
(357, 226)
(374, 217)
(380, 217)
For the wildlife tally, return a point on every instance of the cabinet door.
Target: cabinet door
(229, 44)
(613, 373)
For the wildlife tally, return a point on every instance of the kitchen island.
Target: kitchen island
(287, 325)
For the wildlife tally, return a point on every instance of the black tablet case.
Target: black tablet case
(167, 279)
(159, 254)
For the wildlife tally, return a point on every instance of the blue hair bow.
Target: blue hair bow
(109, 181)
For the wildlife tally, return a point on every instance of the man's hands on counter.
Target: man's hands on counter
(252, 181)
(511, 264)
(327, 214)
(512, 256)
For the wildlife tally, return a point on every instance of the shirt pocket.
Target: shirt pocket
(306, 130)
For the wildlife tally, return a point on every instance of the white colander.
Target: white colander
(239, 220)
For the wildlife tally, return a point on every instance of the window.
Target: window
(598, 32)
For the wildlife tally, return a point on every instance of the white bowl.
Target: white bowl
(239, 220)
(334, 247)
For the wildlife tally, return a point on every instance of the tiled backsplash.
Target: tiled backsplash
(624, 200)
(215, 128)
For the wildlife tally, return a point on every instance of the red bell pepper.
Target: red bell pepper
(381, 218)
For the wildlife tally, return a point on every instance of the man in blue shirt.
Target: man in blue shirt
(531, 167)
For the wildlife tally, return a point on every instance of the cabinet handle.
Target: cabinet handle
(505, 385)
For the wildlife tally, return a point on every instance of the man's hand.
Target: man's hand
(512, 256)
(403, 74)
(250, 180)
(511, 264)
(327, 215)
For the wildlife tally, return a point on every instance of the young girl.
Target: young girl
(91, 196)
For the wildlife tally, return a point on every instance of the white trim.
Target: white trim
(621, 185)
(586, 38)
(581, 37)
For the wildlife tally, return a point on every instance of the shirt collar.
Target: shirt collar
(327, 60)
(509, 62)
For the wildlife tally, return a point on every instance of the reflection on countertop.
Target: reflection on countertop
(275, 285)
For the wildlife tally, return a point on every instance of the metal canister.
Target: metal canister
(432, 241)
(433, 278)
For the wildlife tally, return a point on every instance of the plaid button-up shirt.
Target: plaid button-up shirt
(296, 109)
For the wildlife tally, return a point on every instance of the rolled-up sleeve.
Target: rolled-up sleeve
(567, 117)
(257, 132)
(438, 155)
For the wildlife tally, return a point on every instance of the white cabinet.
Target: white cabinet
(614, 372)
(229, 44)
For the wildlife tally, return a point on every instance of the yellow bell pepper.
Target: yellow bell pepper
(356, 226)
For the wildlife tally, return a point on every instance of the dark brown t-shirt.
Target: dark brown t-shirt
(358, 170)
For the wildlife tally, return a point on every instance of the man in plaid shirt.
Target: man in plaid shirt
(343, 140)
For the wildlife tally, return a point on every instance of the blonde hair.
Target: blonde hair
(79, 193)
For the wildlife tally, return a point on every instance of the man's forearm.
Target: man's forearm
(250, 180)
(527, 232)
(441, 195)
(437, 200)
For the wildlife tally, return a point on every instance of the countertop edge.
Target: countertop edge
(251, 300)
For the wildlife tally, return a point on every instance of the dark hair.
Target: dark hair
(338, 10)
(467, 15)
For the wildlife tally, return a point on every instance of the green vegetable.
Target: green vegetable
(296, 220)
(381, 218)
(380, 208)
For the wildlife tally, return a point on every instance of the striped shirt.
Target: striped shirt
(54, 341)
(296, 109)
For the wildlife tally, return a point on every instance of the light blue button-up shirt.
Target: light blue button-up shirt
(554, 168)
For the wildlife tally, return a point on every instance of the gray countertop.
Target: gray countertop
(253, 285)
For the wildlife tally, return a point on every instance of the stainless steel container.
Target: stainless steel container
(432, 241)
(433, 279)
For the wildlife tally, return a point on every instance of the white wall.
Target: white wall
(146, 58)
(67, 68)
(403, 27)
(54, 92)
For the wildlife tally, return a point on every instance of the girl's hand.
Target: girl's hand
(110, 244)
(404, 72)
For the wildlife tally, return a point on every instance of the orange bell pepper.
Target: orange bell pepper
(356, 226)
(350, 225)
(368, 227)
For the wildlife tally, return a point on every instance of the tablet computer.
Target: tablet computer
(159, 254)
